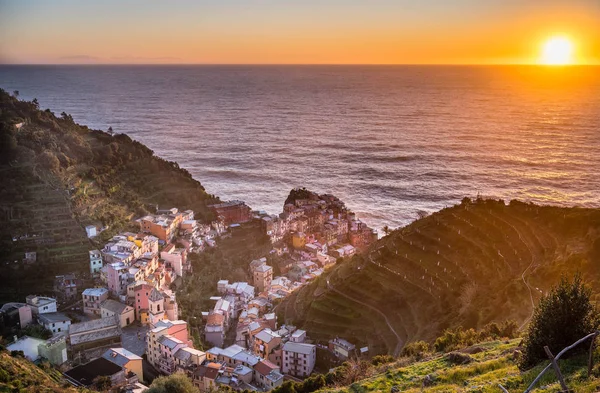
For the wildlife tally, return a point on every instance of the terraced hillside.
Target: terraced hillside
(58, 177)
(468, 265)
(20, 375)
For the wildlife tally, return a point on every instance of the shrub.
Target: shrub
(174, 383)
(417, 349)
(562, 317)
(382, 359)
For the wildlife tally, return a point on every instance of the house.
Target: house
(176, 258)
(117, 277)
(15, 315)
(205, 376)
(267, 375)
(298, 359)
(187, 357)
(342, 348)
(176, 330)
(56, 322)
(232, 212)
(41, 304)
(94, 334)
(265, 342)
(163, 226)
(29, 346)
(124, 313)
(92, 299)
(85, 374)
(125, 359)
(214, 331)
(91, 231)
(262, 275)
(65, 286)
(167, 345)
(95, 262)
(299, 336)
(54, 350)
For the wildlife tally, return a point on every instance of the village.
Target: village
(127, 329)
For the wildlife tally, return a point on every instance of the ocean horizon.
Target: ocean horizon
(389, 140)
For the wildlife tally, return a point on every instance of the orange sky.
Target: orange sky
(309, 31)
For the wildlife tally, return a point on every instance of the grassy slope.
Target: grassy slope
(27, 377)
(485, 251)
(58, 177)
(493, 366)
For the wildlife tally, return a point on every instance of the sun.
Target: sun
(557, 51)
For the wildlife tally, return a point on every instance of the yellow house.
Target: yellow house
(126, 359)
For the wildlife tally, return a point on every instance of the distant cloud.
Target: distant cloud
(138, 58)
(79, 57)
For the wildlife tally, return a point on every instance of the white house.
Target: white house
(29, 346)
(91, 230)
(95, 262)
(56, 322)
(92, 299)
(298, 359)
(41, 304)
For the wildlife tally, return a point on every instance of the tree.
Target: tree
(386, 230)
(16, 93)
(174, 383)
(562, 317)
(110, 130)
(36, 103)
(102, 382)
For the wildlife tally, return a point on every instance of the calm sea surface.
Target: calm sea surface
(388, 140)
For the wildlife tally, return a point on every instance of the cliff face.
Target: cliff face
(59, 177)
(467, 265)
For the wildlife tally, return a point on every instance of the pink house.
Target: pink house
(117, 277)
(141, 294)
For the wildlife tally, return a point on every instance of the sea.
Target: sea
(391, 141)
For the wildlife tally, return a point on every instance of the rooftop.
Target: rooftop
(120, 356)
(53, 317)
(86, 373)
(92, 325)
(302, 348)
(113, 306)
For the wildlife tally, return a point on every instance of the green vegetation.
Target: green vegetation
(20, 375)
(469, 265)
(59, 177)
(561, 318)
(37, 331)
(174, 383)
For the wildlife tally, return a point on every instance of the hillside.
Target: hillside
(18, 374)
(467, 265)
(494, 365)
(59, 177)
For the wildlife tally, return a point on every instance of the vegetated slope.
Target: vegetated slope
(18, 374)
(494, 364)
(57, 177)
(466, 265)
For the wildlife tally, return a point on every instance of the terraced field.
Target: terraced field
(467, 265)
(58, 177)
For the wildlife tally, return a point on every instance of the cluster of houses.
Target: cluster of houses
(318, 224)
(135, 274)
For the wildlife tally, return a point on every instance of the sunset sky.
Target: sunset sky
(299, 32)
